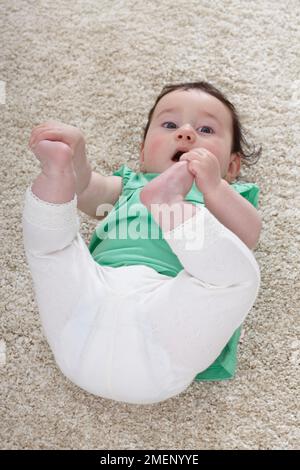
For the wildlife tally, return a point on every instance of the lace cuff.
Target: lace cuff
(49, 215)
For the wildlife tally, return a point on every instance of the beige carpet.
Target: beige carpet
(99, 64)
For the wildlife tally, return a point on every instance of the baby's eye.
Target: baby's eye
(169, 122)
(207, 131)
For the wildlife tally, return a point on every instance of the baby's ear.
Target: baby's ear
(233, 168)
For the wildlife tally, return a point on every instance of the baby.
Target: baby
(137, 316)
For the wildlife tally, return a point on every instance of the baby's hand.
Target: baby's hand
(54, 156)
(61, 134)
(205, 167)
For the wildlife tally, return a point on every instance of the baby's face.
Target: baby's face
(183, 120)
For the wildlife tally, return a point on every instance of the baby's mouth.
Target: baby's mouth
(177, 155)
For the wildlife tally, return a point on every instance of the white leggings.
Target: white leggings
(131, 334)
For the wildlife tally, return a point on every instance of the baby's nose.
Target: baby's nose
(186, 134)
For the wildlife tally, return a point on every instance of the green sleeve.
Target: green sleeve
(125, 174)
(249, 191)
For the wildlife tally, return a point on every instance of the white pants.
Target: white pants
(131, 334)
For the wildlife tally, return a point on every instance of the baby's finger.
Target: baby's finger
(187, 157)
(46, 134)
(35, 131)
(194, 167)
(46, 125)
(49, 123)
(192, 155)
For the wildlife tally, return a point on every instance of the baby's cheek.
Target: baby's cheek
(155, 145)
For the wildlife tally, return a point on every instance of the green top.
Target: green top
(129, 235)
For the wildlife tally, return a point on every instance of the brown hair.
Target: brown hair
(249, 154)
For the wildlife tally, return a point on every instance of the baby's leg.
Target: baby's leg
(67, 281)
(194, 314)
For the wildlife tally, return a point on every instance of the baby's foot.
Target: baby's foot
(55, 157)
(169, 187)
(164, 196)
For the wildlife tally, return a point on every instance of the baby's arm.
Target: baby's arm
(92, 189)
(99, 190)
(235, 212)
(229, 207)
